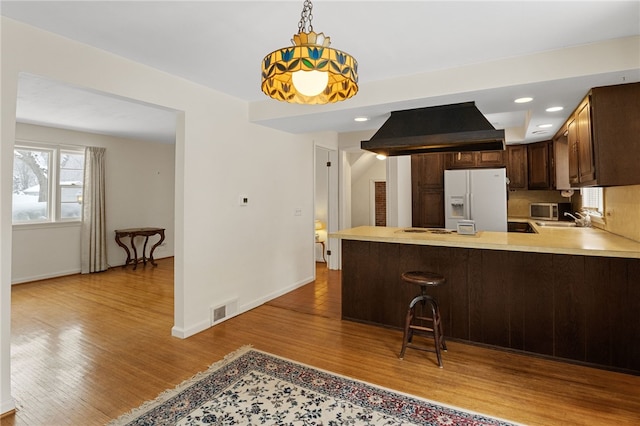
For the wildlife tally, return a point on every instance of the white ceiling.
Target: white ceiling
(220, 44)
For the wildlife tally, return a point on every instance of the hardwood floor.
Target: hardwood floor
(86, 349)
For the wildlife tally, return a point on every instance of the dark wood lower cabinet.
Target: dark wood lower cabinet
(578, 308)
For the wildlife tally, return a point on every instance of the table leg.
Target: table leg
(161, 233)
(126, 249)
(144, 250)
(135, 252)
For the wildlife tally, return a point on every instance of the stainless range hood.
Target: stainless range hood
(445, 128)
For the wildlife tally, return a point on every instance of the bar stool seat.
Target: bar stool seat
(423, 316)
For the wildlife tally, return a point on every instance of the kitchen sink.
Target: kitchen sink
(556, 224)
(523, 227)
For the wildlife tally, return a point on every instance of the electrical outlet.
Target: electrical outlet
(297, 211)
(243, 200)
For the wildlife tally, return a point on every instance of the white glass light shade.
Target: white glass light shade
(310, 83)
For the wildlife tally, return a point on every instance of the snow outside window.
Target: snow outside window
(47, 184)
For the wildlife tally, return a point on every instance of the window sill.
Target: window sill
(46, 225)
(598, 222)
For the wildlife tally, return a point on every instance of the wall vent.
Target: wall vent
(224, 311)
(219, 313)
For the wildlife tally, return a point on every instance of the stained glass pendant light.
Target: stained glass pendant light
(309, 72)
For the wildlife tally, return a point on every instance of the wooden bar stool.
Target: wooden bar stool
(423, 316)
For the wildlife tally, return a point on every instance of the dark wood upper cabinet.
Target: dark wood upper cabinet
(586, 158)
(471, 160)
(491, 159)
(531, 166)
(603, 135)
(427, 190)
(517, 167)
(572, 137)
(581, 159)
(462, 160)
(540, 166)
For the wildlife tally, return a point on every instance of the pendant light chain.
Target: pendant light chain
(305, 18)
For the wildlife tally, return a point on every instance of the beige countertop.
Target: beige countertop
(577, 241)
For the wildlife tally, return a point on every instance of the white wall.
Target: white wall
(399, 191)
(139, 191)
(349, 152)
(222, 250)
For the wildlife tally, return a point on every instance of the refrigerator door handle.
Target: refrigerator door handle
(467, 213)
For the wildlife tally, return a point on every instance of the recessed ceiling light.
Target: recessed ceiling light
(539, 132)
(544, 126)
(381, 157)
(554, 109)
(523, 100)
(361, 119)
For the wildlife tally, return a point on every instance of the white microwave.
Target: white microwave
(549, 211)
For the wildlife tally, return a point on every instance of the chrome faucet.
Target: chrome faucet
(572, 216)
(581, 221)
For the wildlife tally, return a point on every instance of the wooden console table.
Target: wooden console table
(139, 232)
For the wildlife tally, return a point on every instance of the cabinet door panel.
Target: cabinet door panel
(572, 136)
(539, 166)
(517, 166)
(490, 159)
(428, 170)
(468, 160)
(462, 160)
(430, 213)
(427, 190)
(586, 164)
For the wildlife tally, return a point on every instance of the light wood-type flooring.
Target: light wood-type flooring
(86, 349)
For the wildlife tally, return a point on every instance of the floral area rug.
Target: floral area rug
(250, 387)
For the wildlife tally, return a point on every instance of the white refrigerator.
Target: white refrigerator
(476, 194)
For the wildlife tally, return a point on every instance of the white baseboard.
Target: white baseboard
(183, 333)
(202, 325)
(45, 276)
(7, 406)
(276, 294)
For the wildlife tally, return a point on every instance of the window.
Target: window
(592, 200)
(47, 184)
(70, 184)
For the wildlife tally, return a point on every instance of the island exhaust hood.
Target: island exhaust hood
(445, 128)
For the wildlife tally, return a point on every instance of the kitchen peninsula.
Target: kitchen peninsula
(571, 294)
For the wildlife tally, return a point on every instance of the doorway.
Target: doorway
(326, 205)
(378, 206)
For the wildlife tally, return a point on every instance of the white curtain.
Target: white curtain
(94, 243)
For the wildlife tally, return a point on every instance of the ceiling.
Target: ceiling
(220, 44)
